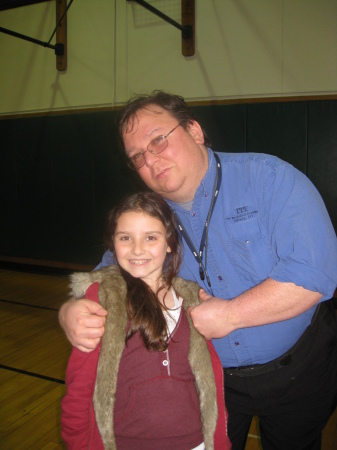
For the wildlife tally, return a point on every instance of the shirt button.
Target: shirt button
(193, 214)
(165, 362)
(220, 277)
(206, 194)
(236, 343)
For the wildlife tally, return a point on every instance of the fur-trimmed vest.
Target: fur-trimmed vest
(112, 293)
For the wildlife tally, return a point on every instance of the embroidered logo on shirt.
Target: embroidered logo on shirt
(242, 214)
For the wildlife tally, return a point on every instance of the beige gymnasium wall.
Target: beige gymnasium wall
(244, 49)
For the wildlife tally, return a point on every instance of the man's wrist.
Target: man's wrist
(63, 312)
(233, 316)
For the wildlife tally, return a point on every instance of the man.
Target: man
(258, 239)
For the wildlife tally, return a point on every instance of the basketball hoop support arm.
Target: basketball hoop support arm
(187, 27)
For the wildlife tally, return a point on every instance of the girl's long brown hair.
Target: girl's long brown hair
(144, 309)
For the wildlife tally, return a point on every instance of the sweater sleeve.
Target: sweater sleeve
(77, 414)
(221, 439)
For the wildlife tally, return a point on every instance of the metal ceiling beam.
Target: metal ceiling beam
(60, 47)
(187, 28)
(10, 4)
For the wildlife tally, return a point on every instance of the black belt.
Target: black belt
(278, 363)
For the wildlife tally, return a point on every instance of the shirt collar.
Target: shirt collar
(206, 184)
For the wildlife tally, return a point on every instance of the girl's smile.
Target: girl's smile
(141, 247)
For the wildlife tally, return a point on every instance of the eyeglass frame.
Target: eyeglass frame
(132, 165)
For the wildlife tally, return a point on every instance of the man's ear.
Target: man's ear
(196, 132)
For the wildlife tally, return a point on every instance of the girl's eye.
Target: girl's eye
(151, 238)
(125, 238)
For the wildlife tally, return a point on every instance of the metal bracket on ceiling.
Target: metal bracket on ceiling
(187, 27)
(60, 47)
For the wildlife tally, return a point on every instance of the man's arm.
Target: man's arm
(83, 323)
(269, 302)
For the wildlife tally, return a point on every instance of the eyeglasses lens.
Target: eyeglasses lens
(157, 145)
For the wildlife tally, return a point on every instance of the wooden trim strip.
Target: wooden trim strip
(233, 101)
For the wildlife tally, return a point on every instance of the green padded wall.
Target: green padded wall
(61, 174)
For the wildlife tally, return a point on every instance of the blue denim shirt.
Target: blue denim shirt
(269, 222)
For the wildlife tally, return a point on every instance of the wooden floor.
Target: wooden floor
(33, 359)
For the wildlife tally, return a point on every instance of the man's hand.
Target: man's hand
(269, 302)
(210, 318)
(83, 323)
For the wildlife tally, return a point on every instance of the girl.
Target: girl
(153, 383)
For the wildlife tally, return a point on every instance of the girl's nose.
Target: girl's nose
(137, 248)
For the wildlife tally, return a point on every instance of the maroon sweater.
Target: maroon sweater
(157, 404)
(78, 424)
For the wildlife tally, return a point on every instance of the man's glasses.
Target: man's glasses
(156, 146)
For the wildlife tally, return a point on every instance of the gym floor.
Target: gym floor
(33, 359)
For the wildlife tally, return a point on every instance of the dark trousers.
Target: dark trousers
(293, 396)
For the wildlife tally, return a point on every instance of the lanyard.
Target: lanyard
(204, 238)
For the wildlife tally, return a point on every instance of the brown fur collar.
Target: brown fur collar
(112, 292)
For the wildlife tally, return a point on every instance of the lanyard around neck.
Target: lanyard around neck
(204, 239)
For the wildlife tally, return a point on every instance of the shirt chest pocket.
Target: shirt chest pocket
(250, 251)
